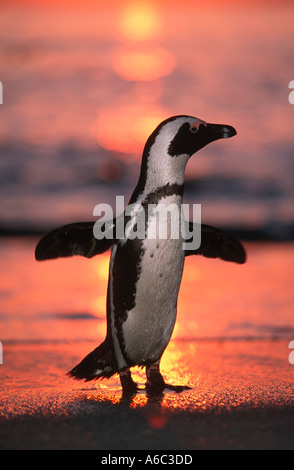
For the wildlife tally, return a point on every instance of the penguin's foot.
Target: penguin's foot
(155, 384)
(129, 387)
(177, 388)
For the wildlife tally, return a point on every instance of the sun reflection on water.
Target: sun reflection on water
(142, 63)
(137, 58)
(125, 128)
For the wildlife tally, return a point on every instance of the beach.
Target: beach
(242, 399)
(241, 378)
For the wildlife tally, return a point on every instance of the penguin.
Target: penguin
(145, 272)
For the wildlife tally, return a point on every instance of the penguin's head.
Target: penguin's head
(170, 146)
(185, 135)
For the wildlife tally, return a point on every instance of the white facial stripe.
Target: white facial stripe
(161, 168)
(196, 124)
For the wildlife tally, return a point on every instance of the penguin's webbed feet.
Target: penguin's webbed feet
(177, 388)
(155, 384)
(129, 387)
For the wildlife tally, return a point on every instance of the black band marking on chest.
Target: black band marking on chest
(127, 267)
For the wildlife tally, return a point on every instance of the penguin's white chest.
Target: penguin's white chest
(148, 326)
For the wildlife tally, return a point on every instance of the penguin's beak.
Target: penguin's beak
(221, 131)
(208, 133)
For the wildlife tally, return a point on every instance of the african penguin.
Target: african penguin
(145, 273)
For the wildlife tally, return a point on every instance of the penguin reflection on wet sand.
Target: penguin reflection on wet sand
(145, 274)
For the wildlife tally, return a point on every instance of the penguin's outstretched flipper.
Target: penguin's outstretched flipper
(217, 244)
(70, 240)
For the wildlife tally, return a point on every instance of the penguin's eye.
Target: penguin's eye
(194, 129)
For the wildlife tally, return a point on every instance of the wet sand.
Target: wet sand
(241, 379)
(242, 397)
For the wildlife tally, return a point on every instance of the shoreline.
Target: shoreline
(242, 398)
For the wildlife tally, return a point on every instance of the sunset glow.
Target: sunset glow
(142, 64)
(140, 21)
(138, 59)
(126, 128)
(85, 83)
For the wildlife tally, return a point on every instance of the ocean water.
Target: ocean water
(84, 87)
